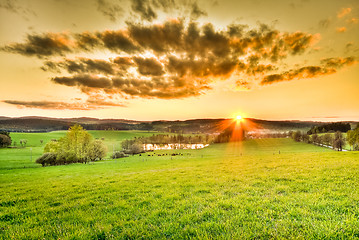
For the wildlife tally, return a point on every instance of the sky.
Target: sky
(176, 60)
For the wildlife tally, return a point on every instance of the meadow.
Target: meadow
(256, 189)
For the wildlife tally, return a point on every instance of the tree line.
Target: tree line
(135, 145)
(330, 127)
(336, 140)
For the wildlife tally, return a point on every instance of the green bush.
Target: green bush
(77, 146)
(97, 150)
(118, 154)
(47, 159)
(5, 140)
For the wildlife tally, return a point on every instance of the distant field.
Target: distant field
(259, 189)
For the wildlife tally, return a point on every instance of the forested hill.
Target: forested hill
(44, 124)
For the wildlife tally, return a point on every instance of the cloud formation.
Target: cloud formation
(52, 105)
(14, 7)
(192, 40)
(328, 66)
(109, 9)
(42, 45)
(81, 65)
(144, 9)
(148, 9)
(174, 59)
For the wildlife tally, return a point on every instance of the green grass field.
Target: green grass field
(226, 191)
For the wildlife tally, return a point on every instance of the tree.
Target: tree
(76, 146)
(97, 150)
(305, 138)
(328, 139)
(353, 138)
(5, 140)
(23, 142)
(76, 142)
(336, 126)
(315, 138)
(338, 141)
(132, 146)
(52, 147)
(297, 136)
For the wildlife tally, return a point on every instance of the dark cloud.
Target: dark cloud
(88, 41)
(172, 59)
(338, 62)
(14, 7)
(109, 9)
(52, 105)
(350, 47)
(144, 8)
(99, 102)
(236, 30)
(209, 67)
(9, 5)
(118, 41)
(303, 72)
(51, 66)
(158, 37)
(123, 62)
(172, 36)
(148, 9)
(84, 80)
(149, 66)
(82, 65)
(324, 23)
(43, 45)
(298, 42)
(329, 66)
(196, 12)
(156, 87)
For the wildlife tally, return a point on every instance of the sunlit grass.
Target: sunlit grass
(305, 192)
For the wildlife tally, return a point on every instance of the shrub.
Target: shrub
(77, 146)
(97, 150)
(297, 136)
(47, 159)
(5, 140)
(118, 154)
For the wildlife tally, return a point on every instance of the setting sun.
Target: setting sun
(239, 117)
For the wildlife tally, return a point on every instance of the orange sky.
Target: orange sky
(150, 60)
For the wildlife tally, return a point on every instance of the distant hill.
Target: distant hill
(45, 124)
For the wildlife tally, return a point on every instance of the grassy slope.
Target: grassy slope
(245, 190)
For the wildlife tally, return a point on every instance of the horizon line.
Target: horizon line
(306, 119)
